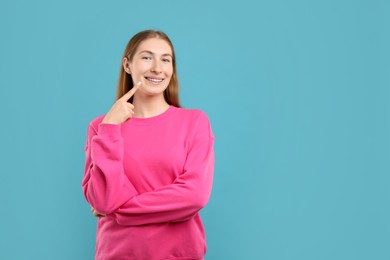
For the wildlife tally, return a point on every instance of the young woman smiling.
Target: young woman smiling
(149, 162)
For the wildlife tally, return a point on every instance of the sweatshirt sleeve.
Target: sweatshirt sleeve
(183, 198)
(105, 185)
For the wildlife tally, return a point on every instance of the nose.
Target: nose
(156, 67)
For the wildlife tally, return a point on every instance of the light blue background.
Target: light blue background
(297, 93)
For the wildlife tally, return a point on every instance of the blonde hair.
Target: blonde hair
(125, 82)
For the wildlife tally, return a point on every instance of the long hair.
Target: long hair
(125, 82)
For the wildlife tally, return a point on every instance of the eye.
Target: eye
(166, 60)
(146, 58)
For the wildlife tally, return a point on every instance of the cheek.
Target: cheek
(139, 67)
(170, 71)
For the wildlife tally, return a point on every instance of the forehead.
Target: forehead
(155, 45)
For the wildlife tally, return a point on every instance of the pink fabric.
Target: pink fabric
(150, 176)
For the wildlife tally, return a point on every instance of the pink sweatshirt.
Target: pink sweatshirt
(150, 176)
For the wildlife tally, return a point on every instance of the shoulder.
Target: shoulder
(192, 114)
(94, 123)
(197, 120)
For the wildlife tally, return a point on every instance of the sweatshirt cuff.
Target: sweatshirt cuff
(111, 131)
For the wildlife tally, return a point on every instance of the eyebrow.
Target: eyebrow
(152, 53)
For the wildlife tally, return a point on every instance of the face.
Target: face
(152, 65)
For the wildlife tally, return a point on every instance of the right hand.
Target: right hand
(121, 110)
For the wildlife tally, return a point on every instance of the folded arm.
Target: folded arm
(105, 185)
(183, 198)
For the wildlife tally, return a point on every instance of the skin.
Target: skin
(152, 60)
(152, 67)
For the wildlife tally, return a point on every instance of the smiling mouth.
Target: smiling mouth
(154, 80)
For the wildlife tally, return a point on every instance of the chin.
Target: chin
(151, 92)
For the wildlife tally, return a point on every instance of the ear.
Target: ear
(126, 65)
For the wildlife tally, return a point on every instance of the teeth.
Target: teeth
(154, 80)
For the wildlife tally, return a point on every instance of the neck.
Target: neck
(148, 107)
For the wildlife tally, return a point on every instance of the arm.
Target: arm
(105, 184)
(183, 198)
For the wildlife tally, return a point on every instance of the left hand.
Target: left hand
(97, 214)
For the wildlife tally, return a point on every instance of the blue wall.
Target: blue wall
(298, 95)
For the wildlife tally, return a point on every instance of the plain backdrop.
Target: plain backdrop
(297, 93)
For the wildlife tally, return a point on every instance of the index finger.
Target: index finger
(131, 92)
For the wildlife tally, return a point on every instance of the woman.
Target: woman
(149, 162)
